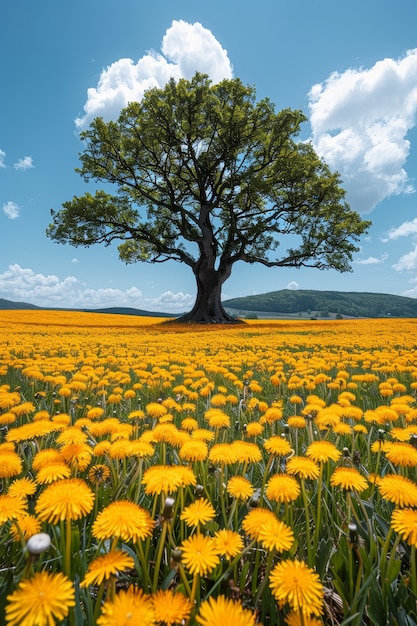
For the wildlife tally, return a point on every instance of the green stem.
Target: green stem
(413, 570)
(310, 554)
(144, 564)
(318, 509)
(161, 547)
(67, 558)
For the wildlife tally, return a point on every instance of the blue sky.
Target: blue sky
(351, 67)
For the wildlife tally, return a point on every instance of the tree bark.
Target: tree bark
(208, 308)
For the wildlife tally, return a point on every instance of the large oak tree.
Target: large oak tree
(206, 175)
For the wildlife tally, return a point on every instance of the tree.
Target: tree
(207, 176)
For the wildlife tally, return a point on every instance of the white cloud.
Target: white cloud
(407, 262)
(2, 157)
(11, 209)
(186, 49)
(360, 120)
(24, 164)
(293, 285)
(24, 285)
(403, 230)
(372, 260)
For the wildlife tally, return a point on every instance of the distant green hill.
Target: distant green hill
(326, 304)
(8, 305)
(14, 306)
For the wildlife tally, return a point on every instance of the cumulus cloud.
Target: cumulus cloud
(293, 285)
(24, 285)
(186, 49)
(360, 119)
(11, 210)
(24, 164)
(372, 260)
(407, 262)
(2, 157)
(403, 230)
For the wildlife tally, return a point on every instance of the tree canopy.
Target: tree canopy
(206, 175)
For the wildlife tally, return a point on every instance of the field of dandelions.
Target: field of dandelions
(151, 473)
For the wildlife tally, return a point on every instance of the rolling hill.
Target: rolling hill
(324, 304)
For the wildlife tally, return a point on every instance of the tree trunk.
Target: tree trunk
(208, 307)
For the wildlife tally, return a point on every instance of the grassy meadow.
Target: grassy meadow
(261, 473)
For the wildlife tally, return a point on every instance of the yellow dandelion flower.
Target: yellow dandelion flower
(123, 519)
(296, 421)
(271, 415)
(170, 608)
(102, 448)
(141, 449)
(253, 522)
(67, 499)
(11, 507)
(120, 449)
(253, 429)
(398, 489)
(275, 535)
(33, 430)
(199, 512)
(106, 566)
(51, 473)
(228, 543)
(95, 412)
(72, 435)
(360, 428)
(187, 476)
(162, 479)
(278, 446)
(25, 526)
(41, 600)
(218, 399)
(247, 452)
(77, 455)
(46, 457)
(349, 479)
(24, 409)
(10, 464)
(126, 608)
(240, 488)
(136, 415)
(404, 522)
(22, 488)
(193, 450)
(202, 434)
(169, 433)
(221, 610)
(217, 418)
(223, 454)
(282, 488)
(343, 429)
(199, 554)
(303, 467)
(401, 454)
(323, 451)
(294, 584)
(7, 418)
(295, 619)
(189, 423)
(156, 410)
